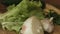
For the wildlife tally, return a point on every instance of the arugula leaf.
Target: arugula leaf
(18, 14)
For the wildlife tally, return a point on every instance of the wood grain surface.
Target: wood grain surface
(54, 2)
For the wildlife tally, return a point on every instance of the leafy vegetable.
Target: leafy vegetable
(10, 7)
(56, 19)
(12, 25)
(16, 15)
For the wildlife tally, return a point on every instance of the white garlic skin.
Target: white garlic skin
(32, 26)
(47, 24)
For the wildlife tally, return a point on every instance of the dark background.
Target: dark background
(54, 2)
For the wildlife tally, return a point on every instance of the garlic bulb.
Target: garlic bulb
(32, 26)
(47, 24)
